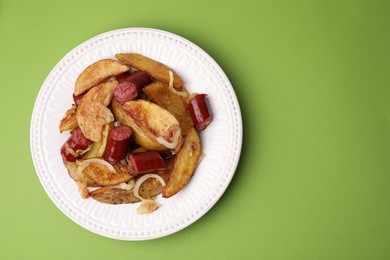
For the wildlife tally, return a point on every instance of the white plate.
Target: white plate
(221, 140)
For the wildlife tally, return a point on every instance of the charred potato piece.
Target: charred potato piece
(69, 121)
(104, 177)
(141, 135)
(160, 94)
(82, 180)
(92, 113)
(113, 195)
(98, 72)
(97, 149)
(156, 69)
(184, 164)
(155, 119)
(152, 187)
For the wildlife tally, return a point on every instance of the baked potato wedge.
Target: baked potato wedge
(92, 113)
(156, 69)
(160, 94)
(141, 135)
(69, 121)
(98, 72)
(82, 180)
(113, 195)
(184, 164)
(97, 149)
(155, 120)
(152, 187)
(104, 177)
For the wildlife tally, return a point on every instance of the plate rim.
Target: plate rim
(45, 87)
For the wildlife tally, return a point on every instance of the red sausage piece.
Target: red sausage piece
(118, 142)
(76, 142)
(66, 155)
(200, 111)
(129, 88)
(145, 162)
(123, 76)
(77, 99)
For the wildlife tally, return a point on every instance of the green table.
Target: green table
(312, 79)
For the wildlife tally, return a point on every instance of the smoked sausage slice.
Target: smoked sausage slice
(76, 144)
(145, 162)
(200, 111)
(118, 142)
(129, 88)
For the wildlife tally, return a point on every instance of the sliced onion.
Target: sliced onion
(127, 186)
(173, 144)
(81, 152)
(143, 178)
(70, 150)
(117, 123)
(148, 206)
(172, 89)
(84, 164)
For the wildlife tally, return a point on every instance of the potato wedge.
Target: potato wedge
(156, 69)
(79, 176)
(113, 195)
(157, 120)
(184, 164)
(104, 177)
(152, 187)
(98, 72)
(97, 149)
(160, 94)
(140, 136)
(83, 181)
(92, 113)
(69, 121)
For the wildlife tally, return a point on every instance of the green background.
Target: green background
(312, 79)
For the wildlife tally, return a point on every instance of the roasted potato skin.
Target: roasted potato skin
(152, 187)
(97, 73)
(69, 120)
(104, 177)
(156, 69)
(92, 113)
(113, 195)
(142, 136)
(147, 115)
(160, 94)
(97, 149)
(184, 164)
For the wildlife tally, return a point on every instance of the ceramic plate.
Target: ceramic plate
(221, 141)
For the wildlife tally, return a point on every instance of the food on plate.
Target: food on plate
(160, 94)
(184, 164)
(69, 121)
(76, 145)
(159, 123)
(97, 73)
(92, 113)
(133, 132)
(103, 175)
(146, 162)
(129, 87)
(156, 69)
(118, 142)
(143, 137)
(114, 195)
(147, 206)
(98, 148)
(200, 111)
